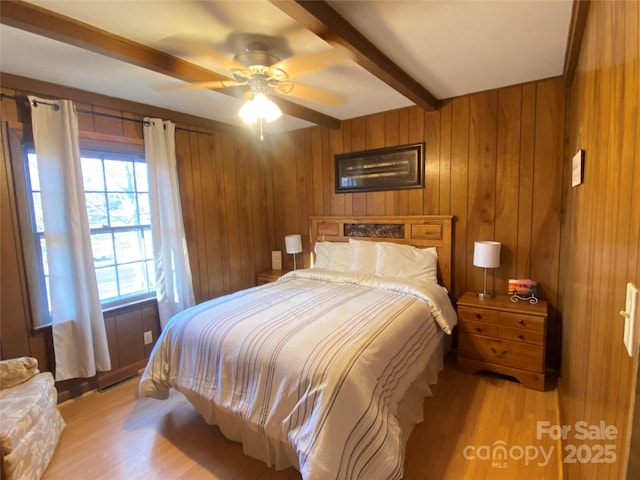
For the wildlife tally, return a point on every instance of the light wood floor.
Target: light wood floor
(114, 435)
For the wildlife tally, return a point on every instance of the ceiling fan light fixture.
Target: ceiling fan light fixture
(248, 112)
(259, 107)
(266, 108)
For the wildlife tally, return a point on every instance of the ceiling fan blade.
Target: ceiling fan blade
(314, 94)
(299, 65)
(213, 84)
(192, 46)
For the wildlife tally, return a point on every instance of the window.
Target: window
(117, 197)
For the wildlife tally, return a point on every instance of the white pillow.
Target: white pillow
(405, 261)
(363, 256)
(322, 255)
(339, 256)
(333, 256)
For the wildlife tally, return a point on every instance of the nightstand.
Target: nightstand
(269, 276)
(502, 336)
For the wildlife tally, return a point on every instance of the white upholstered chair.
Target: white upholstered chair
(30, 423)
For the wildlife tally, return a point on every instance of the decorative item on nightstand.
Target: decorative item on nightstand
(486, 254)
(293, 244)
(523, 289)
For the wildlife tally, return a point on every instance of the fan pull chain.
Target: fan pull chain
(261, 135)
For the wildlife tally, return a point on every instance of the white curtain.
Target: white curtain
(173, 274)
(79, 335)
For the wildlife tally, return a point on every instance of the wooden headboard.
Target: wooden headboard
(420, 231)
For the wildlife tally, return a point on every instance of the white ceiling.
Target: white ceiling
(450, 47)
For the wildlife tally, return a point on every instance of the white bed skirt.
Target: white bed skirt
(281, 455)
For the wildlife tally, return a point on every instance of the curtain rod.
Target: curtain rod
(100, 114)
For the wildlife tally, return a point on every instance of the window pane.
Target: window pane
(33, 171)
(92, 174)
(143, 209)
(116, 192)
(43, 250)
(97, 210)
(122, 209)
(129, 246)
(107, 285)
(142, 180)
(37, 211)
(119, 174)
(132, 278)
(151, 270)
(102, 245)
(148, 244)
(46, 282)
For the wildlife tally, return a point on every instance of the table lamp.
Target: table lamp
(486, 254)
(293, 245)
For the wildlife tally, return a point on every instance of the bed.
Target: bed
(327, 368)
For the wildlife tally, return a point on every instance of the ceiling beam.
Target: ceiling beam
(37, 20)
(22, 85)
(579, 13)
(320, 18)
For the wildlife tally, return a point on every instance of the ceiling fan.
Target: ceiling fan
(264, 73)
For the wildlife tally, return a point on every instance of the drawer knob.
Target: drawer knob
(479, 316)
(478, 329)
(521, 337)
(520, 321)
(499, 355)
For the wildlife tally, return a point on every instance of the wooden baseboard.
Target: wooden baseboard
(69, 389)
(107, 379)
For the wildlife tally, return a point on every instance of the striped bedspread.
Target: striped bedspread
(317, 360)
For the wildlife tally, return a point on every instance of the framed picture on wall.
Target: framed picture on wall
(392, 168)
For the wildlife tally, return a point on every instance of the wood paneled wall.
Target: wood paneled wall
(493, 160)
(222, 189)
(221, 173)
(601, 234)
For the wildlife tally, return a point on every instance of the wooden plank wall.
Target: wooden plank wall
(221, 174)
(493, 160)
(601, 235)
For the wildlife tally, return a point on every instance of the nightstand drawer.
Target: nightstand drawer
(522, 335)
(501, 352)
(478, 314)
(518, 320)
(478, 327)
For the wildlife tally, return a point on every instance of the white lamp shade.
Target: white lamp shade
(293, 243)
(266, 108)
(486, 254)
(248, 113)
(259, 107)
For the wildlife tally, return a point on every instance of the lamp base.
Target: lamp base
(485, 295)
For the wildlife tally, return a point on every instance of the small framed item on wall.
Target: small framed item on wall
(523, 289)
(577, 168)
(276, 260)
(392, 168)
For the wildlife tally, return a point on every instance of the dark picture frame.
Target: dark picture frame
(391, 168)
